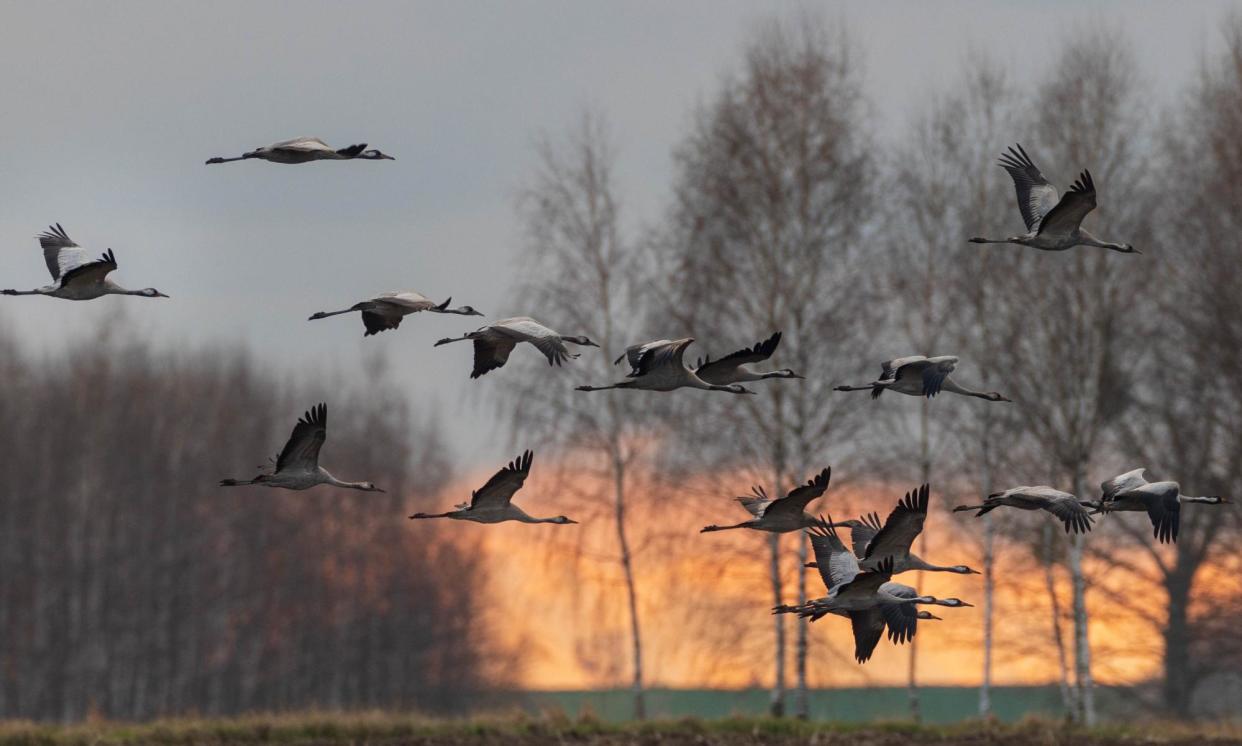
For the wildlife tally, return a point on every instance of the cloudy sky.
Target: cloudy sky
(110, 109)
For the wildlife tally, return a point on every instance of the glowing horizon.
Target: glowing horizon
(705, 613)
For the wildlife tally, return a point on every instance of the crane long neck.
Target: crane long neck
(326, 314)
(524, 518)
(329, 479)
(1210, 500)
(918, 563)
(709, 529)
(23, 292)
(953, 386)
(1087, 239)
(1011, 239)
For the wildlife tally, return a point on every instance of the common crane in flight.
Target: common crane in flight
(868, 598)
(873, 542)
(901, 620)
(782, 514)
(1160, 500)
(385, 311)
(305, 150)
(658, 366)
(1053, 223)
(493, 502)
(297, 466)
(75, 276)
(1063, 505)
(494, 342)
(736, 366)
(917, 375)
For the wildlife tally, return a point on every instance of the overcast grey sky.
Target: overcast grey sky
(110, 109)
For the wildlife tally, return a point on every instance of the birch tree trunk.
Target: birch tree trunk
(1068, 700)
(776, 701)
(631, 591)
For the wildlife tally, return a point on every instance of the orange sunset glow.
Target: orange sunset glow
(705, 600)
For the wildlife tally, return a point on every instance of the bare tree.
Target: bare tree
(943, 306)
(135, 587)
(1070, 367)
(1189, 388)
(771, 208)
(578, 273)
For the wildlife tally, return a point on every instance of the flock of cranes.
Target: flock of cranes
(858, 579)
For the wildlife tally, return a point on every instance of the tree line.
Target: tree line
(131, 586)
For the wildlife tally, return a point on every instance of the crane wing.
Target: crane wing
(890, 368)
(490, 353)
(902, 619)
(89, 273)
(1163, 508)
(524, 329)
(868, 628)
(755, 503)
(301, 453)
(902, 526)
(303, 145)
(759, 352)
(1065, 218)
(659, 355)
(863, 531)
(836, 564)
(634, 353)
(1131, 480)
(408, 300)
(1036, 197)
(60, 253)
(799, 497)
(867, 583)
(1071, 513)
(376, 321)
(935, 371)
(500, 489)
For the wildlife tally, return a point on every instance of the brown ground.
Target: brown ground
(352, 730)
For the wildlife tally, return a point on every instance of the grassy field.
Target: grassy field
(380, 728)
(939, 704)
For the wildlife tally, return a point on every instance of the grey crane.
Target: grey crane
(493, 502)
(305, 150)
(297, 466)
(736, 366)
(873, 542)
(1161, 501)
(1053, 222)
(868, 598)
(917, 375)
(782, 514)
(1063, 505)
(75, 276)
(385, 311)
(494, 342)
(659, 366)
